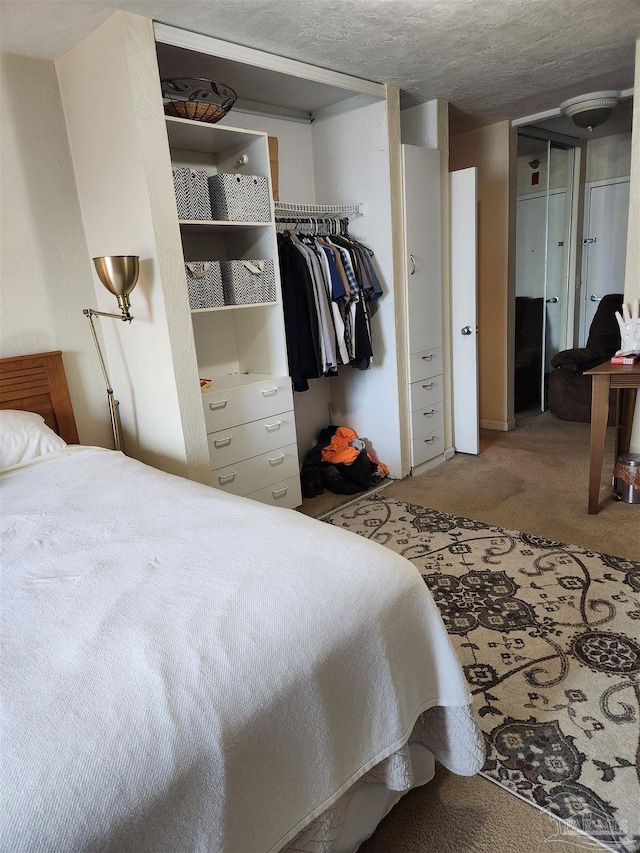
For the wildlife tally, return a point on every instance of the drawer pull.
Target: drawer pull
(269, 392)
(280, 493)
(273, 427)
(428, 387)
(427, 357)
(218, 404)
(226, 479)
(222, 442)
(429, 414)
(276, 460)
(430, 440)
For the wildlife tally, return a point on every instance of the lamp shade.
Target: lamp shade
(119, 274)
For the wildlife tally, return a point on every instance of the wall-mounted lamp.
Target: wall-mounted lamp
(119, 274)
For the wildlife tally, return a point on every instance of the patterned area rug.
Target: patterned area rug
(548, 635)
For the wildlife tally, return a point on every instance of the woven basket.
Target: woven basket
(196, 98)
(194, 110)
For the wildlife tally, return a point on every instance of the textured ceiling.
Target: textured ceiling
(491, 59)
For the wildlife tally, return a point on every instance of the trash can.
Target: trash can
(626, 478)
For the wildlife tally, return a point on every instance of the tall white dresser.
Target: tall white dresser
(421, 174)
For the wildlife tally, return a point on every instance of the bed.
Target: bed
(186, 670)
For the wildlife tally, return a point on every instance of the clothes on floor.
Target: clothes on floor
(340, 462)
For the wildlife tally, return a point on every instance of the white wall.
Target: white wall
(609, 157)
(350, 145)
(419, 125)
(46, 272)
(296, 182)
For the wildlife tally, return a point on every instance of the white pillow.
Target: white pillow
(24, 435)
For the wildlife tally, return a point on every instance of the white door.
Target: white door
(464, 310)
(605, 245)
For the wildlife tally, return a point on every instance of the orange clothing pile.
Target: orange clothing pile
(340, 450)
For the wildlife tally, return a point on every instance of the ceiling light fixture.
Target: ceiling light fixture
(592, 110)
(582, 110)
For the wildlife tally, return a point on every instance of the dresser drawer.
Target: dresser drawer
(285, 493)
(426, 447)
(424, 364)
(250, 475)
(234, 406)
(227, 446)
(426, 421)
(425, 393)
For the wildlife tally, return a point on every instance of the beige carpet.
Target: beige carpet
(532, 479)
(457, 815)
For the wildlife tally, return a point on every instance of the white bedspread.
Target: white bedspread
(184, 670)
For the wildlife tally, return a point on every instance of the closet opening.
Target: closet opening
(547, 205)
(322, 140)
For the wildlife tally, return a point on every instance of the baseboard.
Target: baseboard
(427, 466)
(503, 426)
(449, 453)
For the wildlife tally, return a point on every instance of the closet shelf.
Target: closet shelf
(208, 226)
(231, 307)
(317, 211)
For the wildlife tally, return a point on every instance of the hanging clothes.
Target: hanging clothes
(329, 287)
(300, 316)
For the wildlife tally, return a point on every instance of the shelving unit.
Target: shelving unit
(248, 408)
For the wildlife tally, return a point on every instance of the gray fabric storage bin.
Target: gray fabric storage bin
(191, 188)
(240, 198)
(246, 282)
(204, 284)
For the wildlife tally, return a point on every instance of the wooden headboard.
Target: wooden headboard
(37, 383)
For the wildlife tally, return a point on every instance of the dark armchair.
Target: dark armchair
(569, 389)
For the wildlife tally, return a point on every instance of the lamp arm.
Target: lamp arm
(114, 414)
(89, 313)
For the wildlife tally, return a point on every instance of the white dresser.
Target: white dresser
(425, 405)
(251, 435)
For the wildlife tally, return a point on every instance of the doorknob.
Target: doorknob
(466, 330)
(595, 298)
(413, 265)
(553, 300)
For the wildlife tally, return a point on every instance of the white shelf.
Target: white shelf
(207, 138)
(239, 380)
(229, 307)
(209, 226)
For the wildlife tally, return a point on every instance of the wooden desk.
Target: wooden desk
(625, 378)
